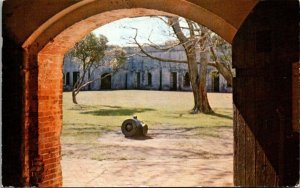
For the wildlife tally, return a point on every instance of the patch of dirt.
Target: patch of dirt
(167, 157)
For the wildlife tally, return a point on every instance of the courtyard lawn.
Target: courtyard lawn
(99, 112)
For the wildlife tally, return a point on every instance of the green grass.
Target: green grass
(100, 112)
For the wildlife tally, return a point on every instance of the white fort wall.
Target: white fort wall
(137, 71)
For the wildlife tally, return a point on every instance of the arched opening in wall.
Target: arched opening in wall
(149, 79)
(126, 80)
(92, 141)
(138, 80)
(100, 141)
(111, 107)
(105, 81)
(67, 81)
(76, 76)
(173, 81)
(215, 78)
(187, 82)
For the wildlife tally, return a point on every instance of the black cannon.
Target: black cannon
(134, 127)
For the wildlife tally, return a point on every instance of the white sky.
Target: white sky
(119, 32)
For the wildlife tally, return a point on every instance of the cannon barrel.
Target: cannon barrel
(134, 127)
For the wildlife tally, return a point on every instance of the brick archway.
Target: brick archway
(47, 41)
(42, 167)
(45, 50)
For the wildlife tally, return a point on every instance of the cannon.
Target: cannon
(134, 127)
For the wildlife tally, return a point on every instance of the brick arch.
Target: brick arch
(84, 10)
(44, 51)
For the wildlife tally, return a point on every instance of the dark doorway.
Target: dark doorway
(105, 81)
(67, 78)
(75, 77)
(160, 80)
(138, 80)
(186, 80)
(149, 79)
(173, 81)
(126, 77)
(215, 81)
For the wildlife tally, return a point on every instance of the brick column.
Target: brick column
(50, 118)
(42, 119)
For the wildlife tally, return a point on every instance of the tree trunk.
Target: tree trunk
(194, 77)
(74, 94)
(198, 82)
(204, 106)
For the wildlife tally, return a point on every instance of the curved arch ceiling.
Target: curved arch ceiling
(222, 18)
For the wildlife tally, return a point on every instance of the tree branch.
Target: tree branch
(153, 57)
(212, 64)
(91, 81)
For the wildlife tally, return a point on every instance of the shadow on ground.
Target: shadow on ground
(221, 115)
(216, 115)
(139, 137)
(117, 111)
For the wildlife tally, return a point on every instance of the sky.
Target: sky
(119, 32)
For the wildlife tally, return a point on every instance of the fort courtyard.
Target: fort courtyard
(178, 144)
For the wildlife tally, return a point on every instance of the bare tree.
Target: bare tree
(195, 39)
(91, 53)
(197, 78)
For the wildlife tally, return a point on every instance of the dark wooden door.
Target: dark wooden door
(266, 150)
(296, 96)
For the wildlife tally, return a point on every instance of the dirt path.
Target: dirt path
(169, 157)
